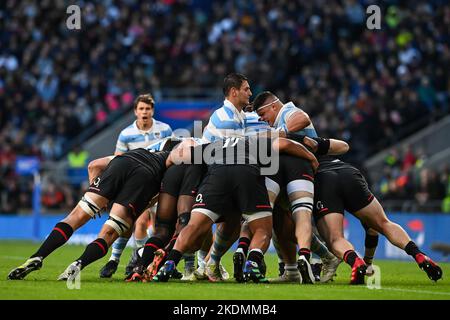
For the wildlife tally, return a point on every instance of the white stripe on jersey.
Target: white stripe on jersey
(225, 122)
(132, 138)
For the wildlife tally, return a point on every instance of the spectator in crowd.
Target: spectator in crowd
(363, 86)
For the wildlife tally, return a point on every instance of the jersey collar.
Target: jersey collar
(144, 131)
(239, 114)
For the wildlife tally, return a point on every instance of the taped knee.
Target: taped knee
(183, 219)
(89, 206)
(304, 203)
(117, 224)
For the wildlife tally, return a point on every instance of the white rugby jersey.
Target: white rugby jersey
(283, 116)
(225, 122)
(253, 125)
(132, 138)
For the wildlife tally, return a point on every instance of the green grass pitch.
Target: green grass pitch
(399, 280)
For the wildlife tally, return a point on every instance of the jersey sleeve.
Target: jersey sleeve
(121, 145)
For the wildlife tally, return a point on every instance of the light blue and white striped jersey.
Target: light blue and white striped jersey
(253, 125)
(132, 138)
(285, 113)
(225, 122)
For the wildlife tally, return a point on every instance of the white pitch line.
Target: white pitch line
(416, 291)
(13, 257)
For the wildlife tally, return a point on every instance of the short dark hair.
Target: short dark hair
(261, 98)
(146, 98)
(233, 80)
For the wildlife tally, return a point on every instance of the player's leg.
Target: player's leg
(140, 236)
(374, 216)
(331, 228)
(141, 228)
(370, 246)
(334, 190)
(164, 227)
(260, 225)
(189, 240)
(184, 206)
(116, 252)
(240, 256)
(87, 208)
(284, 232)
(202, 256)
(226, 234)
(301, 204)
(120, 221)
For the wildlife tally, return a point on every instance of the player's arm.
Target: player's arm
(333, 147)
(182, 153)
(321, 146)
(299, 120)
(296, 149)
(95, 167)
(121, 145)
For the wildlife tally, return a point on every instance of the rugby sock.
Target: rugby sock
(256, 255)
(150, 247)
(140, 242)
(244, 243)
(350, 257)
(281, 267)
(175, 256)
(171, 243)
(371, 243)
(117, 248)
(189, 261)
(59, 235)
(94, 251)
(291, 267)
(201, 255)
(220, 246)
(412, 249)
(305, 252)
(319, 248)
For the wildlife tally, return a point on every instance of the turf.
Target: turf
(399, 280)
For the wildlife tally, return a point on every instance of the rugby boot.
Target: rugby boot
(109, 269)
(252, 272)
(21, 271)
(433, 271)
(238, 265)
(305, 270)
(358, 271)
(165, 273)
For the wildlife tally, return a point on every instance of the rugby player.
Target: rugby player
(288, 118)
(144, 131)
(233, 185)
(226, 122)
(339, 187)
(129, 182)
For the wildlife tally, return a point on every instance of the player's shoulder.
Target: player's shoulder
(129, 130)
(161, 124)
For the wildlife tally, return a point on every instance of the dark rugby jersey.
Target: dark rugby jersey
(252, 150)
(155, 162)
(329, 163)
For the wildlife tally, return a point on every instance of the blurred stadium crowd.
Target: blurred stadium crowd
(368, 87)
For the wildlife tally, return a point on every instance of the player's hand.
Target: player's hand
(311, 144)
(314, 164)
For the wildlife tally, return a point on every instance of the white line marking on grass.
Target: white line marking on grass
(13, 257)
(416, 291)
